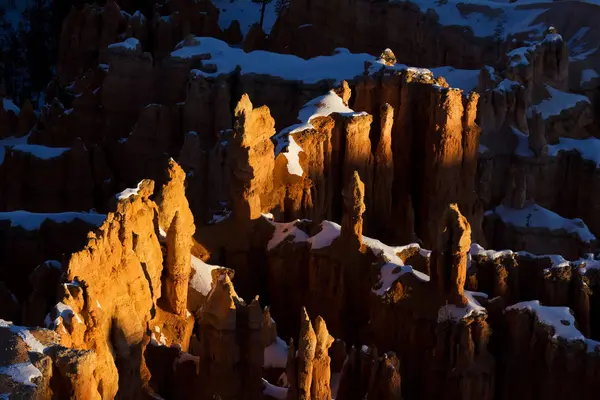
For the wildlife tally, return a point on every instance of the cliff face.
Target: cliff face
(563, 357)
(117, 298)
(518, 277)
(310, 29)
(92, 29)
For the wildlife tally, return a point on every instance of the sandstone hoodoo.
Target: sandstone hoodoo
(248, 199)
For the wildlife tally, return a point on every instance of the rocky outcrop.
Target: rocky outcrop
(308, 371)
(544, 342)
(92, 28)
(35, 366)
(231, 350)
(522, 229)
(522, 276)
(454, 242)
(112, 303)
(24, 248)
(364, 373)
(252, 160)
(176, 219)
(27, 169)
(446, 157)
(364, 26)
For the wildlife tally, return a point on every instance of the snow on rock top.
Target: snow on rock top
(465, 79)
(225, 59)
(589, 148)
(557, 103)
(588, 75)
(451, 312)
(219, 58)
(130, 44)
(321, 106)
(9, 142)
(276, 392)
(31, 221)
(486, 18)
(390, 271)
(24, 372)
(535, 216)
(202, 277)
(39, 151)
(9, 105)
(286, 231)
(477, 250)
(556, 260)
(276, 354)
(128, 192)
(328, 233)
(559, 319)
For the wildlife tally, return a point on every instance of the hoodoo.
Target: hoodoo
(299, 200)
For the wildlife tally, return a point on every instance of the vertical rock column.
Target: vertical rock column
(449, 258)
(177, 220)
(231, 348)
(178, 266)
(252, 159)
(383, 176)
(309, 371)
(352, 221)
(364, 373)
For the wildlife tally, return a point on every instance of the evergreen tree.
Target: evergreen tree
(263, 4)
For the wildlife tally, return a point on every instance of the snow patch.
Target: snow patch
(23, 373)
(557, 103)
(477, 250)
(589, 148)
(451, 312)
(64, 313)
(32, 221)
(9, 142)
(276, 354)
(587, 75)
(130, 44)
(506, 85)
(125, 194)
(39, 151)
(9, 105)
(328, 233)
(286, 232)
(292, 154)
(321, 106)
(490, 18)
(535, 216)
(277, 392)
(558, 318)
(522, 149)
(202, 278)
(465, 79)
(216, 218)
(223, 59)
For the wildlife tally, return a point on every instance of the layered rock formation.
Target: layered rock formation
(142, 310)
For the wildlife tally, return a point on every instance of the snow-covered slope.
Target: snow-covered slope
(536, 216)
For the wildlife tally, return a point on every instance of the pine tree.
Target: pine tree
(263, 4)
